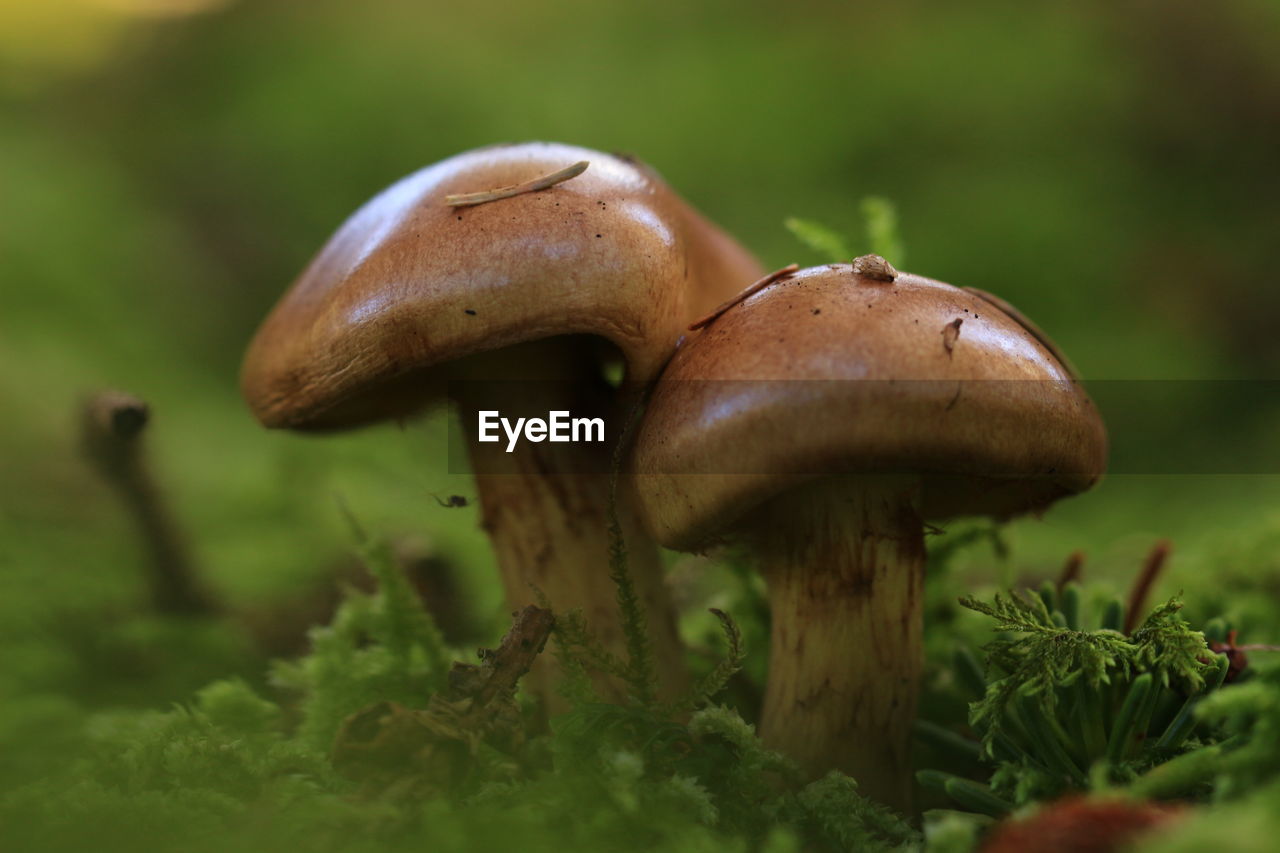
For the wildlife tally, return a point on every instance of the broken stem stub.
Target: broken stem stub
(112, 427)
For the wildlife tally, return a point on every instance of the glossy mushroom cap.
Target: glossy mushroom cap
(410, 283)
(832, 372)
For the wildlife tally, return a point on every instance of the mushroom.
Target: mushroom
(492, 278)
(822, 421)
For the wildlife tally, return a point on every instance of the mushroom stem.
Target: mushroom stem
(844, 561)
(545, 508)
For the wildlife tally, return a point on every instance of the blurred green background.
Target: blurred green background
(166, 166)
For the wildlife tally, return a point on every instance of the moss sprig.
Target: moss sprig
(383, 646)
(639, 674)
(717, 679)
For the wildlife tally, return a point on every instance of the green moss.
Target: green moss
(234, 767)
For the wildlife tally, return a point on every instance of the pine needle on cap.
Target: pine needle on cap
(1025, 322)
(771, 278)
(533, 186)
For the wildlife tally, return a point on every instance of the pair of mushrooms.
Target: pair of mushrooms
(821, 419)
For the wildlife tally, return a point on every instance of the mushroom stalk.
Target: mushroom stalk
(545, 509)
(844, 562)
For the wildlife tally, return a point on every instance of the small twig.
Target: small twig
(389, 746)
(1237, 659)
(112, 424)
(516, 653)
(771, 278)
(1071, 570)
(1142, 584)
(533, 186)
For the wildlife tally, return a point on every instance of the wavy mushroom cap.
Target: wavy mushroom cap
(831, 372)
(410, 283)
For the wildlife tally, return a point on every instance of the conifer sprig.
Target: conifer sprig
(1046, 657)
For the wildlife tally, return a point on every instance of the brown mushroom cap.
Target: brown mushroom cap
(410, 283)
(834, 372)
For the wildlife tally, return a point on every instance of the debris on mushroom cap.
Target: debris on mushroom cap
(1025, 321)
(874, 267)
(750, 290)
(820, 378)
(537, 184)
(412, 282)
(950, 334)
